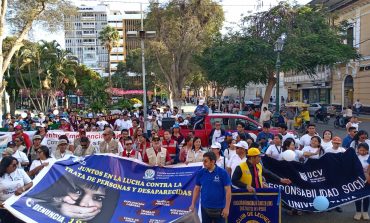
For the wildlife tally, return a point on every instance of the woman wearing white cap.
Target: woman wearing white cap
(239, 157)
(220, 160)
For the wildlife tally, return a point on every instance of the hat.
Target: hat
(11, 143)
(62, 141)
(216, 145)
(8, 152)
(242, 144)
(19, 127)
(64, 119)
(254, 152)
(336, 139)
(228, 134)
(36, 137)
(201, 101)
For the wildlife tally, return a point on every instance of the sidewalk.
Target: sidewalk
(364, 118)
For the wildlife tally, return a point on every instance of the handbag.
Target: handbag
(213, 212)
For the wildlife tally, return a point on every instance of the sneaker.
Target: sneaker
(357, 216)
(365, 216)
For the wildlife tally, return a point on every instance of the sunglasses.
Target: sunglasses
(128, 144)
(83, 145)
(156, 140)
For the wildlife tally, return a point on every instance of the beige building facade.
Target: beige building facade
(351, 81)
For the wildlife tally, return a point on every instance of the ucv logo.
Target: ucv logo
(303, 176)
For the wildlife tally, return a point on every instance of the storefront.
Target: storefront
(321, 95)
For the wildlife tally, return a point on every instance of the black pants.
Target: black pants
(364, 203)
(7, 217)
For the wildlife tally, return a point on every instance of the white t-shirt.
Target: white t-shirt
(21, 157)
(122, 124)
(101, 124)
(350, 124)
(234, 162)
(37, 163)
(216, 134)
(305, 140)
(286, 136)
(274, 152)
(9, 183)
(363, 160)
(228, 153)
(358, 104)
(353, 143)
(311, 150)
(326, 145)
(221, 162)
(331, 150)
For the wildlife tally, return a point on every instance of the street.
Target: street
(348, 210)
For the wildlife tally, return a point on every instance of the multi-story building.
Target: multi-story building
(351, 81)
(82, 35)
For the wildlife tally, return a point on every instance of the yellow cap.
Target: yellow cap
(254, 152)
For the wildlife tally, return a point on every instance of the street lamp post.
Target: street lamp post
(279, 44)
(142, 35)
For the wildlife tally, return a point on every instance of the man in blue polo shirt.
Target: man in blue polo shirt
(214, 186)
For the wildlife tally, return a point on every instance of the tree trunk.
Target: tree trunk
(270, 85)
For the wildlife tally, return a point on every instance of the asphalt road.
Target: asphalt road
(328, 217)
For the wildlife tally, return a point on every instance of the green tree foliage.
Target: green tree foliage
(19, 16)
(184, 28)
(249, 57)
(311, 40)
(109, 38)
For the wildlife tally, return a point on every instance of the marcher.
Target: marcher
(348, 139)
(196, 153)
(156, 155)
(109, 145)
(305, 140)
(326, 142)
(13, 180)
(214, 186)
(216, 133)
(171, 146)
(239, 157)
(361, 137)
(44, 159)
(363, 156)
(314, 150)
(85, 148)
(129, 152)
(19, 154)
(62, 152)
(274, 151)
(336, 148)
(188, 145)
(265, 136)
(220, 160)
(248, 175)
(265, 116)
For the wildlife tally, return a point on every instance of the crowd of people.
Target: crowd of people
(233, 155)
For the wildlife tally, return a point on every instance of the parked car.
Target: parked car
(228, 122)
(256, 101)
(316, 106)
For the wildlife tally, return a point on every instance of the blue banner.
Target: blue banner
(260, 207)
(104, 188)
(338, 177)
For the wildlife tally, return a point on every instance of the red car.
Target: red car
(228, 123)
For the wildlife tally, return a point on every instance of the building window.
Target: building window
(350, 37)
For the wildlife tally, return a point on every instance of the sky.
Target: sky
(233, 9)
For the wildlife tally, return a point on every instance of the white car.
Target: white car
(316, 106)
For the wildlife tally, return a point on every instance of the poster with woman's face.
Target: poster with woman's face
(103, 189)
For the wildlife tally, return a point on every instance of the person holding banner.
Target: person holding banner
(305, 140)
(81, 133)
(214, 186)
(62, 152)
(19, 154)
(13, 180)
(157, 156)
(85, 148)
(109, 145)
(363, 156)
(314, 150)
(44, 159)
(275, 150)
(249, 175)
(19, 133)
(129, 152)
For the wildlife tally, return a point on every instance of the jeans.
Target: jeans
(358, 111)
(207, 219)
(365, 205)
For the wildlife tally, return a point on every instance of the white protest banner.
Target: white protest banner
(52, 137)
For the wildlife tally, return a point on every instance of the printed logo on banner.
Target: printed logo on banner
(149, 174)
(315, 176)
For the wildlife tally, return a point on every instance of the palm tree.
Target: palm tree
(109, 38)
